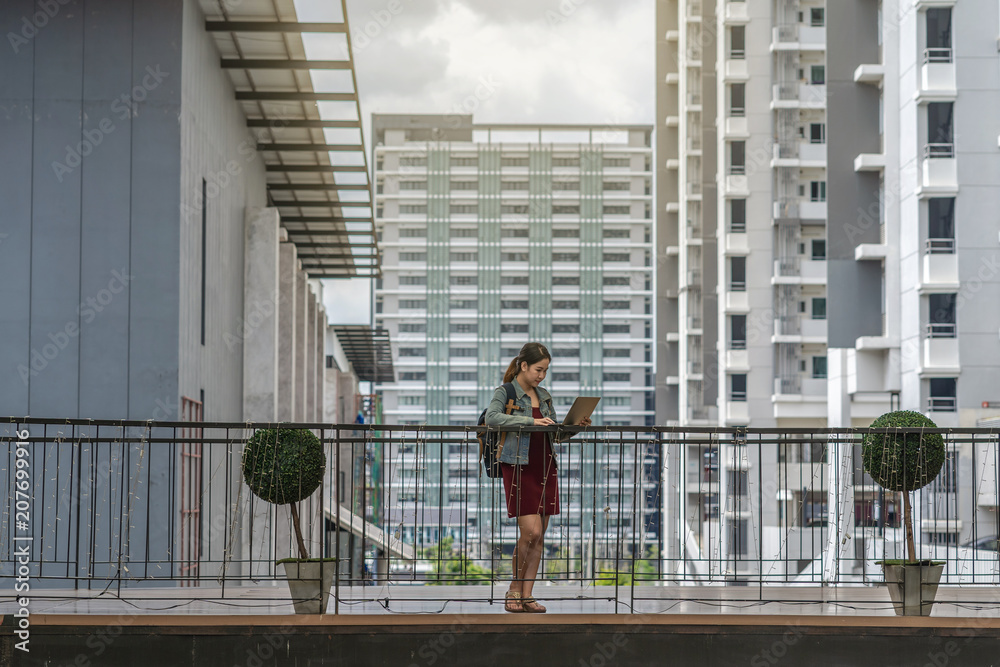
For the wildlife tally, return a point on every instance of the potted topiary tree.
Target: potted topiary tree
(903, 463)
(283, 467)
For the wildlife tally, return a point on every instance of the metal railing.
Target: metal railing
(938, 55)
(942, 330)
(939, 151)
(407, 505)
(940, 246)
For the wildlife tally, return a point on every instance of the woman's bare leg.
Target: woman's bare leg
(537, 526)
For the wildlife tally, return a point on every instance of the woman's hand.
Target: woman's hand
(584, 422)
(544, 421)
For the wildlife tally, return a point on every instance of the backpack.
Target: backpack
(491, 442)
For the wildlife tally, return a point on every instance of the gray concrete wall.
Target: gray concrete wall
(854, 301)
(215, 146)
(90, 102)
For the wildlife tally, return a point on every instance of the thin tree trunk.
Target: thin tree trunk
(302, 545)
(911, 551)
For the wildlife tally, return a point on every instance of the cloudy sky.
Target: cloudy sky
(555, 61)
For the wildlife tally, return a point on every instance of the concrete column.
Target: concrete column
(840, 469)
(311, 360)
(320, 359)
(261, 296)
(302, 297)
(286, 332)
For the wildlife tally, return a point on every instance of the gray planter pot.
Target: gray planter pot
(310, 582)
(912, 586)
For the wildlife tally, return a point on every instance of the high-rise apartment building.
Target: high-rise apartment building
(496, 235)
(824, 224)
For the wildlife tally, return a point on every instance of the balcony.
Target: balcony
(738, 359)
(735, 70)
(869, 162)
(735, 127)
(940, 349)
(737, 413)
(937, 76)
(737, 302)
(736, 13)
(940, 265)
(201, 579)
(798, 37)
(736, 243)
(939, 170)
(798, 96)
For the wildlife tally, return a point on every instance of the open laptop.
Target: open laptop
(582, 407)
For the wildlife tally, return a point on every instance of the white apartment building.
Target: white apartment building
(496, 235)
(826, 196)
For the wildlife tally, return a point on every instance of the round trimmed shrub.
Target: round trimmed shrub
(883, 454)
(283, 466)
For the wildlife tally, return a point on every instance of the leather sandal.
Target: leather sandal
(512, 602)
(538, 609)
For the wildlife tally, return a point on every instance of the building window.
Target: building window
(621, 186)
(737, 216)
(463, 304)
(819, 308)
(464, 209)
(941, 315)
(566, 233)
(413, 185)
(513, 280)
(817, 133)
(455, 327)
(411, 233)
(514, 328)
(738, 537)
(817, 191)
(616, 257)
(413, 209)
(411, 400)
(412, 304)
(413, 161)
(514, 185)
(738, 157)
(617, 352)
(566, 377)
(464, 185)
(943, 395)
(818, 249)
(565, 328)
(941, 225)
(565, 280)
(738, 332)
(940, 130)
(514, 256)
(616, 329)
(508, 304)
(817, 17)
(463, 232)
(463, 352)
(566, 209)
(565, 257)
(571, 186)
(617, 377)
(738, 100)
(616, 162)
(513, 162)
(413, 327)
(616, 210)
(817, 75)
(413, 376)
(938, 35)
(616, 305)
(413, 256)
(819, 368)
(462, 376)
(738, 387)
(566, 305)
(737, 274)
(514, 232)
(737, 42)
(461, 280)
(616, 233)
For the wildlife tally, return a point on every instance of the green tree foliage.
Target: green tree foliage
(884, 454)
(283, 466)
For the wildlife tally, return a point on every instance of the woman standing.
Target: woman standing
(528, 463)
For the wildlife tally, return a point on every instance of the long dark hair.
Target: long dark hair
(531, 354)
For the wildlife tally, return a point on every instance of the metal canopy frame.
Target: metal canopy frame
(261, 48)
(368, 350)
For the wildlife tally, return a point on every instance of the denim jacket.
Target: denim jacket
(515, 445)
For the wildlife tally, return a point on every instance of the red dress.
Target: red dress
(533, 488)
